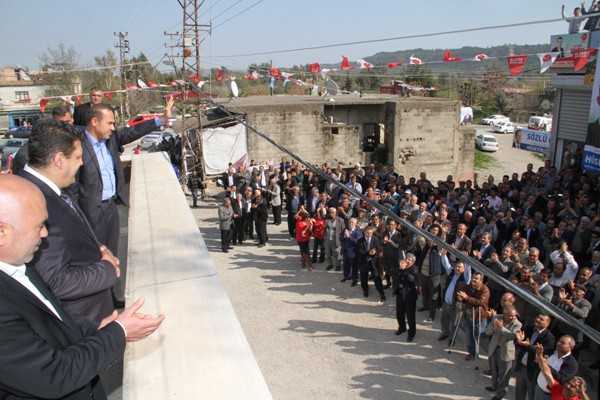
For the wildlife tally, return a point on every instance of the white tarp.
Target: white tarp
(223, 146)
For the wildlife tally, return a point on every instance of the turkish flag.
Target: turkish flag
(582, 57)
(131, 86)
(108, 95)
(314, 68)
(194, 78)
(481, 57)
(448, 57)
(415, 60)
(152, 84)
(220, 74)
(43, 104)
(345, 65)
(275, 72)
(365, 64)
(516, 64)
(393, 65)
(546, 60)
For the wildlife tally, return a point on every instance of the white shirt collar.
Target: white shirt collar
(11, 270)
(43, 178)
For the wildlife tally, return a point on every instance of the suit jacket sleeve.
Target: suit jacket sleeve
(567, 371)
(28, 364)
(127, 135)
(71, 281)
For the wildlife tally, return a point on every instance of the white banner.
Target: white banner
(528, 139)
(594, 117)
(222, 146)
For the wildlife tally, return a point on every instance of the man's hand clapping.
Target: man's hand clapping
(137, 325)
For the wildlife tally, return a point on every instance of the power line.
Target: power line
(228, 8)
(395, 38)
(238, 14)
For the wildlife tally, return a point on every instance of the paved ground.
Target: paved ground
(315, 337)
(507, 159)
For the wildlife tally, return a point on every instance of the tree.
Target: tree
(105, 79)
(60, 61)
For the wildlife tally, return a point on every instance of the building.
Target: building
(413, 134)
(19, 99)
(573, 98)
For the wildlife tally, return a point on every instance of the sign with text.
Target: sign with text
(591, 159)
(568, 47)
(594, 116)
(530, 140)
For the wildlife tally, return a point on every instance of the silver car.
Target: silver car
(154, 139)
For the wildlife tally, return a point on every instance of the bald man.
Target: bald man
(44, 353)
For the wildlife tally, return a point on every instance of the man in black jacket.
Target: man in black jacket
(44, 352)
(406, 287)
(80, 270)
(260, 214)
(100, 184)
(367, 248)
(526, 369)
(82, 111)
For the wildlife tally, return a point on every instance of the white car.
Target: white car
(504, 127)
(494, 118)
(486, 142)
(155, 138)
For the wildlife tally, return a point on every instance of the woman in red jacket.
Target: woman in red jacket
(318, 232)
(303, 233)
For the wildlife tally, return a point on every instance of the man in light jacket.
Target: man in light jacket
(334, 228)
(501, 351)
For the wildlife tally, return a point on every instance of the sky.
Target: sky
(29, 27)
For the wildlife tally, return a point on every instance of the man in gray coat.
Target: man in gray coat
(274, 191)
(334, 228)
(501, 351)
(225, 223)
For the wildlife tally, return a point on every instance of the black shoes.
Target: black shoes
(343, 280)
(400, 332)
(329, 268)
(410, 338)
(338, 268)
(490, 388)
(354, 283)
(442, 337)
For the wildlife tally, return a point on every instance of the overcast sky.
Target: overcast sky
(30, 26)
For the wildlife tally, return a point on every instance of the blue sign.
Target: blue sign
(591, 159)
(531, 140)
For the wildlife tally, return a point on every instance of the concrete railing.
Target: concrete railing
(200, 351)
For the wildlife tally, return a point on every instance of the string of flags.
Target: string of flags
(578, 59)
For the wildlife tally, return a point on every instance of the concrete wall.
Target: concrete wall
(428, 139)
(301, 129)
(421, 134)
(200, 351)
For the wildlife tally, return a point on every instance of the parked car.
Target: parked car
(142, 118)
(504, 127)
(486, 142)
(155, 138)
(494, 118)
(537, 123)
(11, 146)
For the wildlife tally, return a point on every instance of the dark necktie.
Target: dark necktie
(67, 199)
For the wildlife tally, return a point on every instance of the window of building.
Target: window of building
(22, 96)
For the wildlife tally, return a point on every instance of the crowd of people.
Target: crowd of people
(59, 260)
(580, 21)
(539, 229)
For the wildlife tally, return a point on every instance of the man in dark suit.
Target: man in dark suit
(391, 251)
(100, 184)
(44, 352)
(80, 270)
(367, 248)
(82, 111)
(526, 369)
(260, 215)
(486, 249)
(406, 287)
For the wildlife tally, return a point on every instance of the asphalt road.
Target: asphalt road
(317, 338)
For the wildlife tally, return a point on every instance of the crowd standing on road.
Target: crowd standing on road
(539, 229)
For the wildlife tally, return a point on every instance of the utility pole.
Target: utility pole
(173, 39)
(122, 43)
(192, 153)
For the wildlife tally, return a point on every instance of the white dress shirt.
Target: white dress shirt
(42, 178)
(18, 274)
(555, 362)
